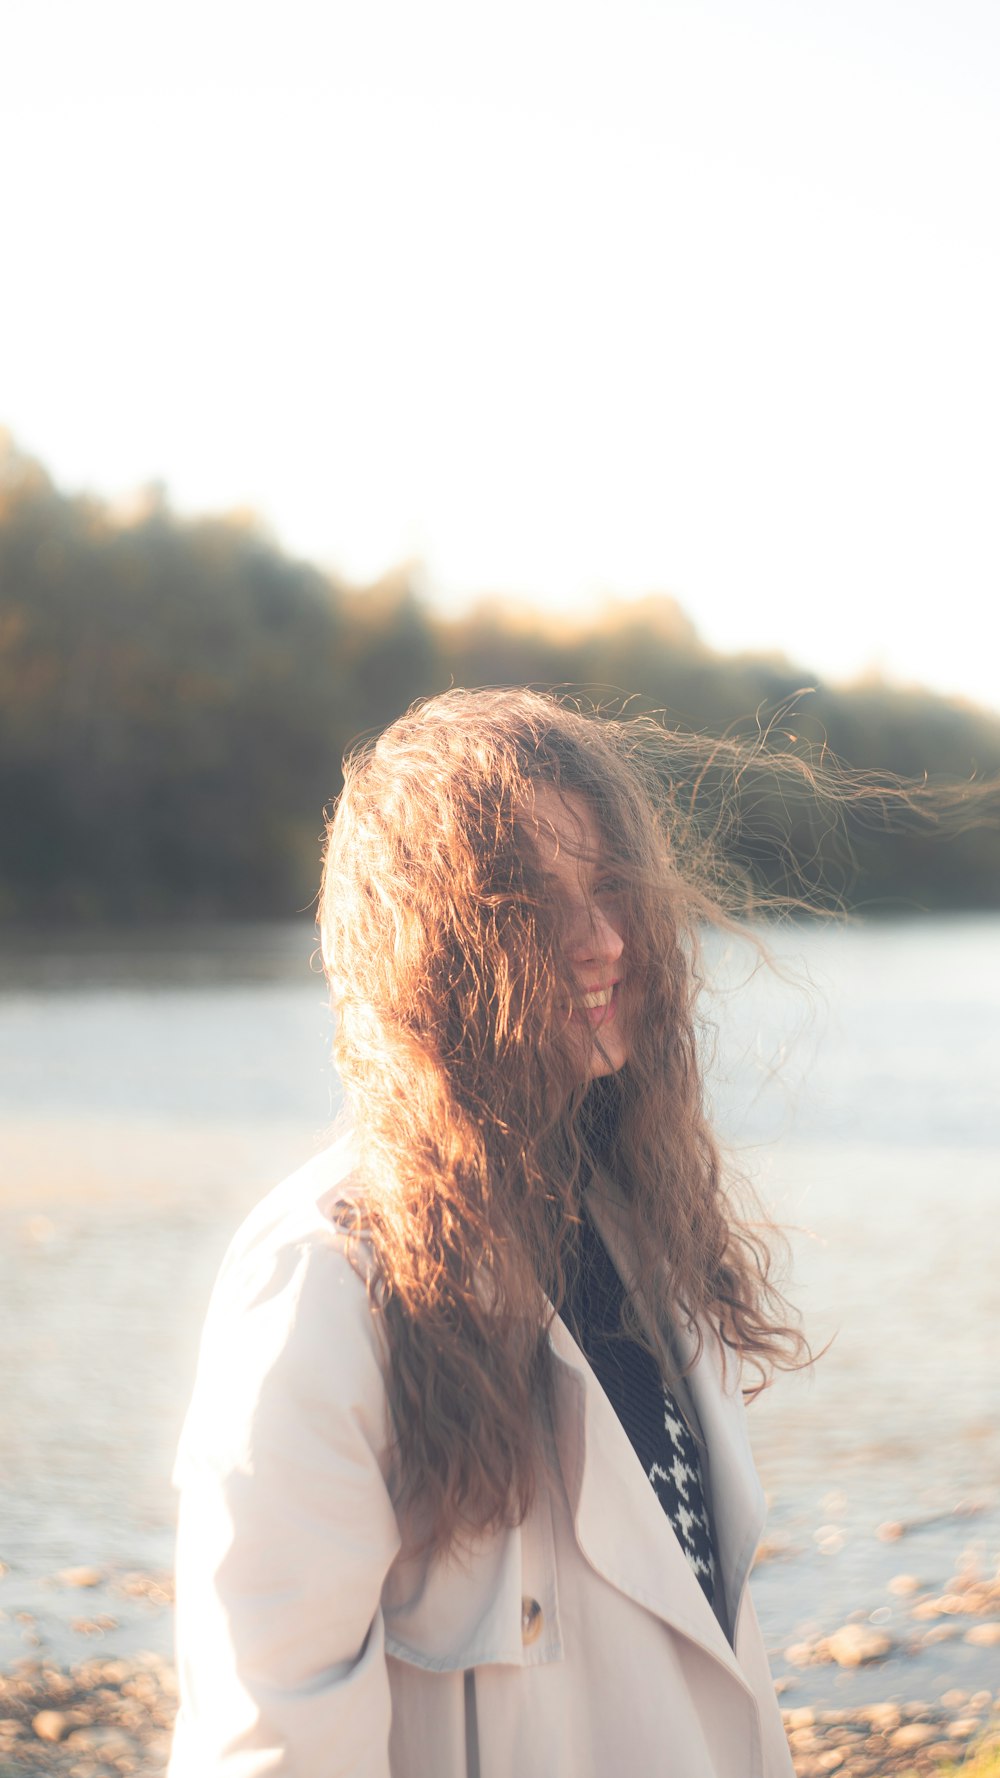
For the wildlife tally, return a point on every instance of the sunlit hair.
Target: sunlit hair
(476, 1137)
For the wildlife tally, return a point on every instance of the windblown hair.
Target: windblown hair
(441, 938)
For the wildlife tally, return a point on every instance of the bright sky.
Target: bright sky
(560, 296)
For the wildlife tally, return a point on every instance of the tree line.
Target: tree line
(176, 696)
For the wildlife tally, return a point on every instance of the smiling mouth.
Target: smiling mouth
(598, 1006)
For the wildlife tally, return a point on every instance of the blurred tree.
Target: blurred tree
(168, 710)
(175, 698)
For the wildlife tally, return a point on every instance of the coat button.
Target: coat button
(531, 1620)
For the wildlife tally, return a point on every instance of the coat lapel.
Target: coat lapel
(621, 1527)
(737, 1497)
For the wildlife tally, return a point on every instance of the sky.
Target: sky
(562, 300)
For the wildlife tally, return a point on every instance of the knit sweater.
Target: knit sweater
(630, 1377)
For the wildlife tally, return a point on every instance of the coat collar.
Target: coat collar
(621, 1527)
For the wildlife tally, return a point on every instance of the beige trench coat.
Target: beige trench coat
(310, 1645)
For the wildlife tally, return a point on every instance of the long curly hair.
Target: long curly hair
(461, 1066)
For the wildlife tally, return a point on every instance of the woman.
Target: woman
(466, 1487)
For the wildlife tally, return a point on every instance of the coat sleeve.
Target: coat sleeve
(286, 1528)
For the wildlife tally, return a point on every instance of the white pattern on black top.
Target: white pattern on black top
(631, 1379)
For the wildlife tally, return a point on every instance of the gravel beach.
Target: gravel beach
(112, 1714)
(104, 1718)
(108, 1716)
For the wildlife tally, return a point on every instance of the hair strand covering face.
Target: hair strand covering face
(461, 1067)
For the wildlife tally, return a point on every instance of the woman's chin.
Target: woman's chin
(608, 1057)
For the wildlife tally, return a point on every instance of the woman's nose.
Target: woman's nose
(595, 937)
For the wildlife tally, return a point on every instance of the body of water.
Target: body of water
(152, 1089)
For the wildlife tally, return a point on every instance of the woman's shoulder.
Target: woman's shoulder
(290, 1317)
(302, 1207)
(294, 1250)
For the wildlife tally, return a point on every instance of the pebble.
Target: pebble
(964, 1727)
(49, 1725)
(80, 1741)
(912, 1735)
(79, 1577)
(102, 1738)
(800, 1654)
(883, 1717)
(854, 1644)
(984, 1635)
(902, 1584)
(803, 1740)
(159, 1588)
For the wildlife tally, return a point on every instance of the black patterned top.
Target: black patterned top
(630, 1378)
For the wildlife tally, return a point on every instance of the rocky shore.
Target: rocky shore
(100, 1719)
(112, 1719)
(882, 1740)
(920, 1736)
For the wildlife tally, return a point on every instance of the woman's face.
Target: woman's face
(571, 852)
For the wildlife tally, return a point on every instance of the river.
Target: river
(154, 1085)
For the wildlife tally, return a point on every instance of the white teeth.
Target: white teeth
(601, 997)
